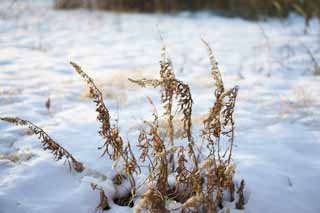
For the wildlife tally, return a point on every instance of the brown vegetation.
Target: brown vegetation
(202, 176)
(47, 142)
(251, 9)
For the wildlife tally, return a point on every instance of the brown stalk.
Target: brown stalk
(215, 72)
(47, 142)
(209, 166)
(194, 179)
(110, 135)
(181, 169)
(228, 120)
(171, 87)
(103, 203)
(131, 166)
(240, 203)
(220, 120)
(160, 154)
(159, 166)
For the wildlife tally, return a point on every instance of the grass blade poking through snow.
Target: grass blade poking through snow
(47, 142)
(220, 121)
(111, 135)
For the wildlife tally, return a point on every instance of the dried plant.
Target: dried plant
(193, 203)
(171, 87)
(144, 145)
(154, 149)
(219, 123)
(103, 203)
(111, 135)
(47, 142)
(153, 201)
(181, 170)
(216, 170)
(130, 166)
(240, 203)
(200, 181)
(194, 178)
(182, 190)
(220, 119)
(159, 154)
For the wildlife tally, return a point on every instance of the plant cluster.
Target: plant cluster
(203, 175)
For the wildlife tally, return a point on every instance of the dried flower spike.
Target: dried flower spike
(47, 142)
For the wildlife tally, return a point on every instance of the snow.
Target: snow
(277, 114)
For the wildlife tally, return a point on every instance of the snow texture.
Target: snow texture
(277, 113)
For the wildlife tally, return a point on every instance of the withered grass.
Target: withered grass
(200, 182)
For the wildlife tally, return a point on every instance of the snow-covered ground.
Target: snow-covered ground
(277, 114)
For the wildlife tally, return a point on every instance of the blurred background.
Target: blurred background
(251, 9)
